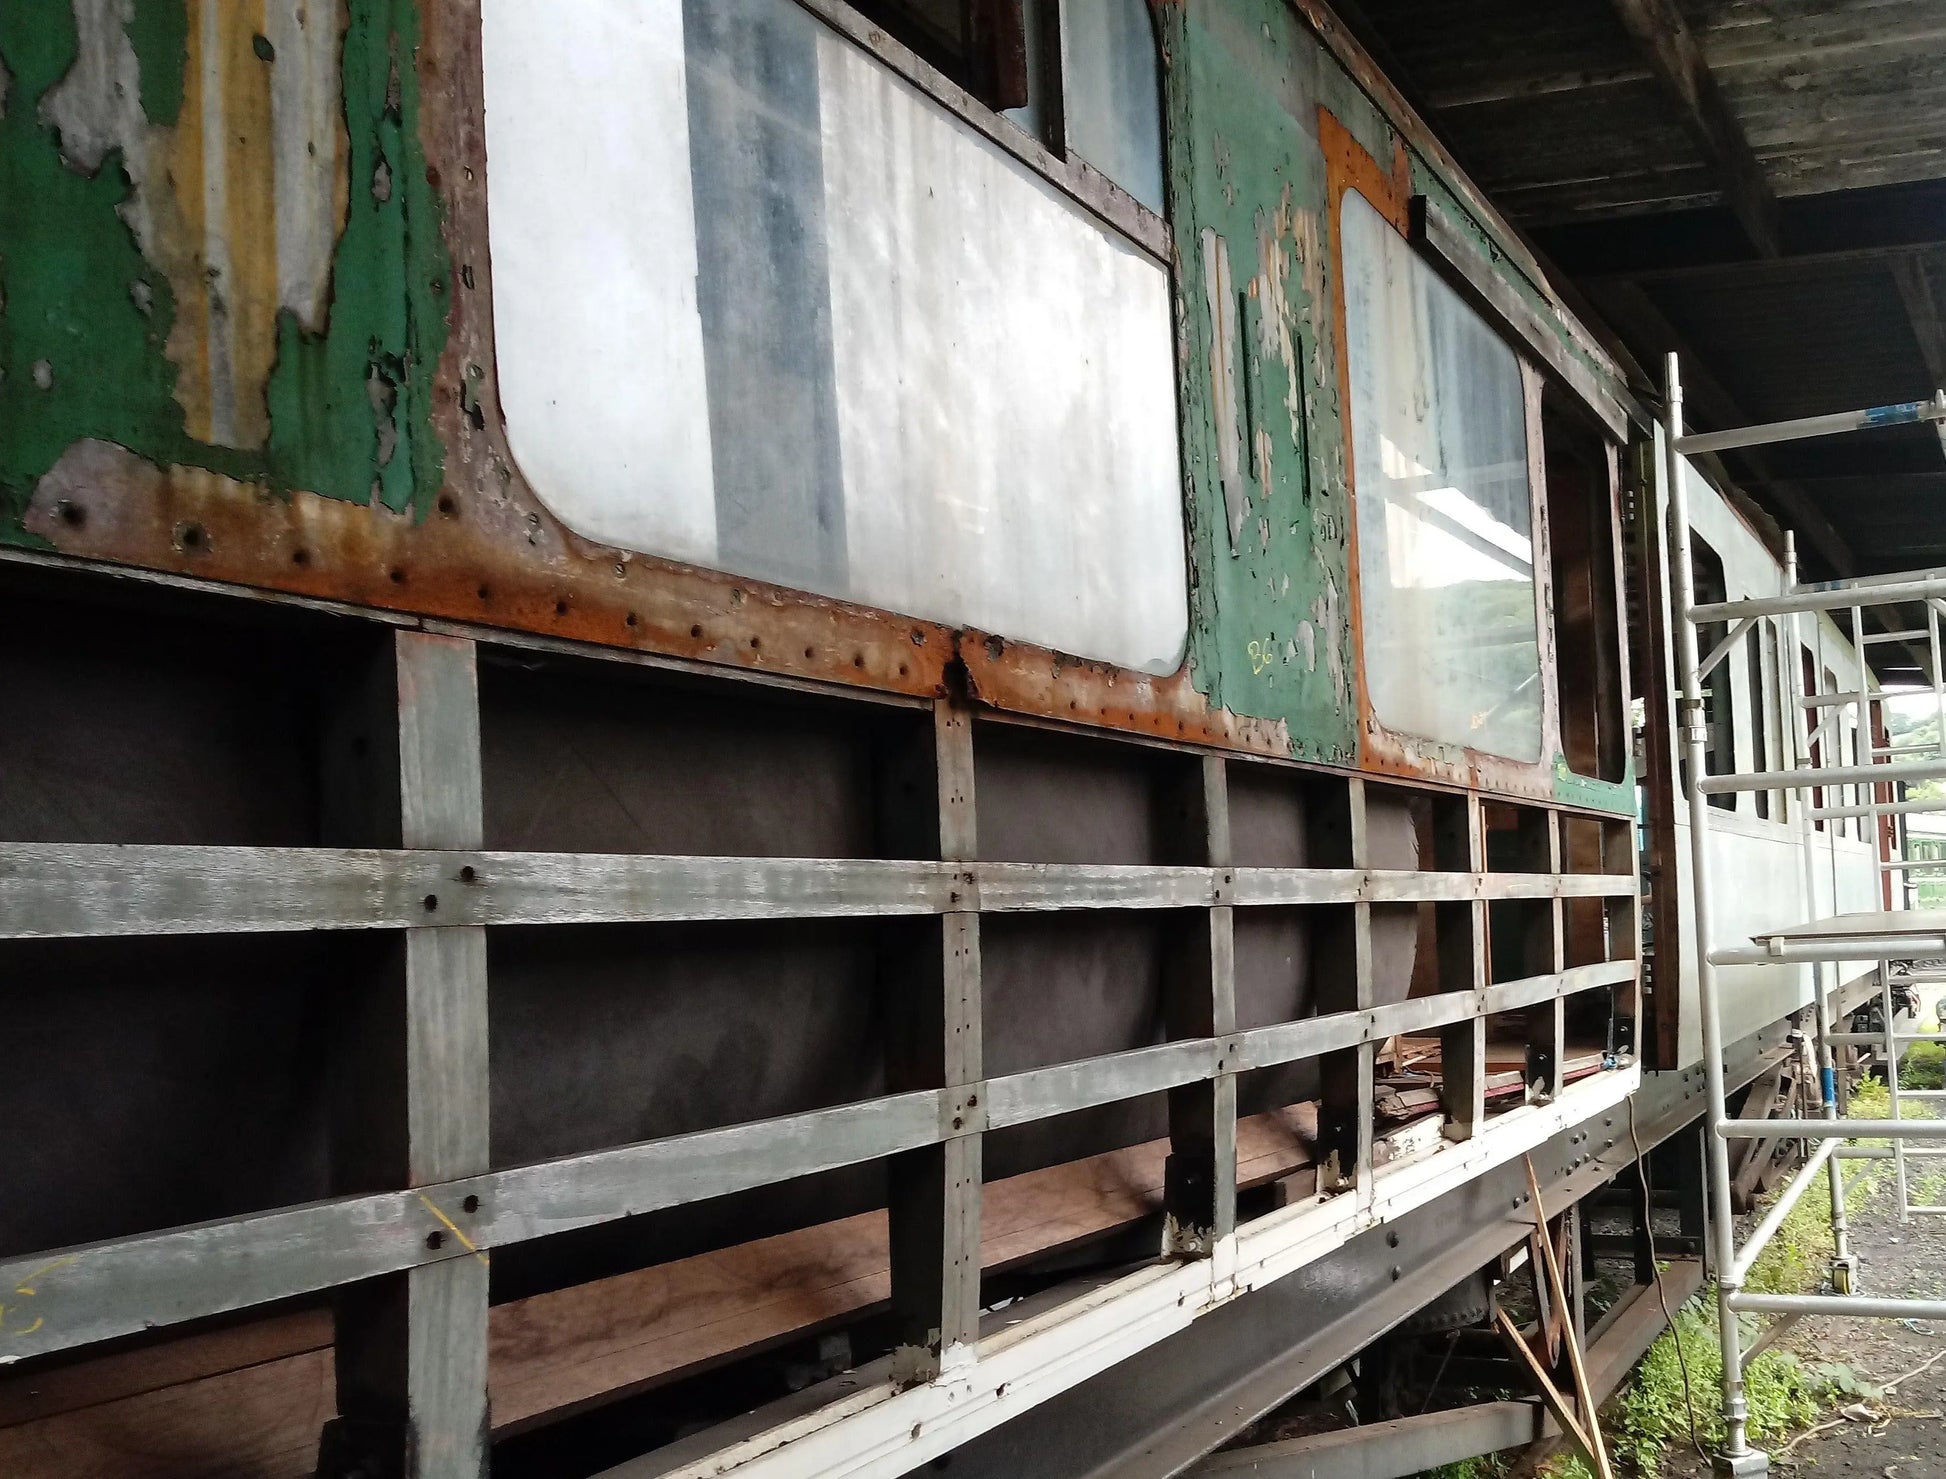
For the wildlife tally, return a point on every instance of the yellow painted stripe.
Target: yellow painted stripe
(251, 227)
(452, 1227)
(179, 228)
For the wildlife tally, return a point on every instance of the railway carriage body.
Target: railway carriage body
(712, 698)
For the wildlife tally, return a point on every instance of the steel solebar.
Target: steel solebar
(1876, 1039)
(1822, 775)
(1906, 413)
(1864, 1306)
(1832, 1129)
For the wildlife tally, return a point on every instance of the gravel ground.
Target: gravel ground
(1903, 1434)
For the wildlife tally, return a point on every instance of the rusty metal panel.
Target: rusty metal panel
(249, 338)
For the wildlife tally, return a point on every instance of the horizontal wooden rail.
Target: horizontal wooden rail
(70, 890)
(75, 1296)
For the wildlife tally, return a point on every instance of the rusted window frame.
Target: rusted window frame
(1387, 187)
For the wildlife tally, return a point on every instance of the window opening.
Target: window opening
(1581, 534)
(1443, 501)
(1719, 708)
(777, 311)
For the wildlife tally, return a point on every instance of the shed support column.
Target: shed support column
(411, 1097)
(934, 1014)
(1200, 1177)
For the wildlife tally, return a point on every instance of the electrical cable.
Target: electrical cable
(1662, 1294)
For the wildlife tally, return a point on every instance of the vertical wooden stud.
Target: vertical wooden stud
(1545, 951)
(1199, 1000)
(1347, 1078)
(1461, 844)
(934, 1001)
(403, 770)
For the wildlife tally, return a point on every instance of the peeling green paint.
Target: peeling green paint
(78, 357)
(350, 409)
(1271, 629)
(159, 32)
(1580, 790)
(86, 318)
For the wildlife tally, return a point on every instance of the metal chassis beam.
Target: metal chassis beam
(867, 1425)
(1158, 1412)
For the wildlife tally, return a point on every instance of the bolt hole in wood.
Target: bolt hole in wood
(435, 1240)
(432, 902)
(468, 874)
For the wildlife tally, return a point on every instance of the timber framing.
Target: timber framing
(1676, 61)
(404, 1250)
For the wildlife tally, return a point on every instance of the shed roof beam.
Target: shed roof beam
(1677, 62)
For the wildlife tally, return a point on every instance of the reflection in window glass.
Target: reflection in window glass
(1114, 93)
(1444, 502)
(763, 306)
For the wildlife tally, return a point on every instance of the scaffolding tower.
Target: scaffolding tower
(1825, 793)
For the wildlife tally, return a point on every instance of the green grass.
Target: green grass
(1923, 1066)
(1652, 1415)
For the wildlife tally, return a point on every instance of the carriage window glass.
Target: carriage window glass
(1114, 93)
(1444, 502)
(762, 305)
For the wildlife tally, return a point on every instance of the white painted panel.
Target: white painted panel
(1757, 865)
(598, 341)
(901, 369)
